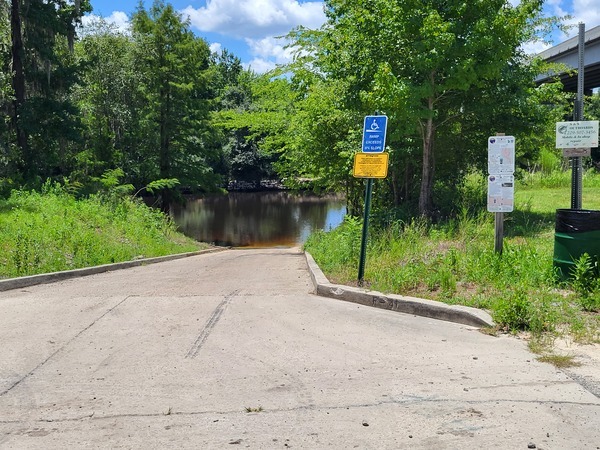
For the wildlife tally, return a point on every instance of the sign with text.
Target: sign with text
(501, 154)
(501, 193)
(577, 134)
(370, 165)
(374, 131)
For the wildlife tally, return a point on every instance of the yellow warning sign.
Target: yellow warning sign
(370, 165)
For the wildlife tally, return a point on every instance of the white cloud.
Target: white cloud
(586, 11)
(556, 7)
(271, 48)
(215, 47)
(255, 18)
(118, 19)
(533, 48)
(257, 22)
(259, 65)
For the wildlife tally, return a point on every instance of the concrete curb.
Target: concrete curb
(409, 305)
(21, 282)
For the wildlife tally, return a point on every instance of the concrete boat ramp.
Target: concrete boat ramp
(233, 350)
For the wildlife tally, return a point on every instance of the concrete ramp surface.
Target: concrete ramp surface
(232, 350)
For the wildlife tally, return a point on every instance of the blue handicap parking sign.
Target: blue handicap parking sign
(374, 134)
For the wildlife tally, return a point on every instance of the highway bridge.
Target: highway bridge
(568, 53)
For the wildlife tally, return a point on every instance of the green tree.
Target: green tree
(109, 99)
(259, 114)
(176, 84)
(322, 141)
(43, 120)
(8, 156)
(419, 62)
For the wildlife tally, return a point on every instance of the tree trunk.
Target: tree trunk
(165, 157)
(18, 84)
(426, 192)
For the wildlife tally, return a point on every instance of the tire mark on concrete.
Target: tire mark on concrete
(60, 349)
(210, 325)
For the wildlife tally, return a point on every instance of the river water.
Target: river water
(258, 219)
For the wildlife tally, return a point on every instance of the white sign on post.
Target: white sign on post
(501, 167)
(577, 134)
(501, 193)
(501, 154)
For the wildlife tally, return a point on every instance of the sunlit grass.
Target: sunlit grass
(41, 233)
(455, 262)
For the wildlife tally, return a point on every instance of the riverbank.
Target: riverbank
(454, 262)
(53, 231)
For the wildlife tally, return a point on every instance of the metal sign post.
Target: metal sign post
(577, 169)
(371, 163)
(365, 232)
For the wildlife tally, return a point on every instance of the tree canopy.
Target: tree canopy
(155, 104)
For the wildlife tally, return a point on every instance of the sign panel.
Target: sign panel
(501, 193)
(576, 152)
(374, 131)
(577, 134)
(370, 165)
(501, 154)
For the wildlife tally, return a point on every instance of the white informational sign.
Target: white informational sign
(501, 193)
(577, 134)
(501, 154)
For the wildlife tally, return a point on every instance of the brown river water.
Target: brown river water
(258, 219)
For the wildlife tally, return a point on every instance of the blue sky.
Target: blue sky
(249, 28)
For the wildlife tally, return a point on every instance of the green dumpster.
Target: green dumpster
(577, 232)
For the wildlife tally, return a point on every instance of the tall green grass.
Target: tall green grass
(455, 262)
(53, 231)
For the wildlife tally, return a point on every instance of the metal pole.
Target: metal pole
(365, 232)
(576, 163)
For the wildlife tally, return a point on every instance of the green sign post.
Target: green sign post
(370, 167)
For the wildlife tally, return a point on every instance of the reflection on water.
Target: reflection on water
(258, 219)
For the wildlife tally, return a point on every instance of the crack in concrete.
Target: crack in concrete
(60, 349)
(400, 402)
(210, 325)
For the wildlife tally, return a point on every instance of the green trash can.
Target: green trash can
(577, 232)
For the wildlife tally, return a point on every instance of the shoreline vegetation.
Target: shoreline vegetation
(453, 261)
(51, 231)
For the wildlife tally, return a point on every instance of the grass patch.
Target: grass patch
(559, 361)
(254, 410)
(455, 262)
(53, 231)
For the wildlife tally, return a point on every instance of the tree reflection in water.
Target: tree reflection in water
(258, 219)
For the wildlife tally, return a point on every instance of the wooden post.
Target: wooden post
(499, 225)
(499, 232)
